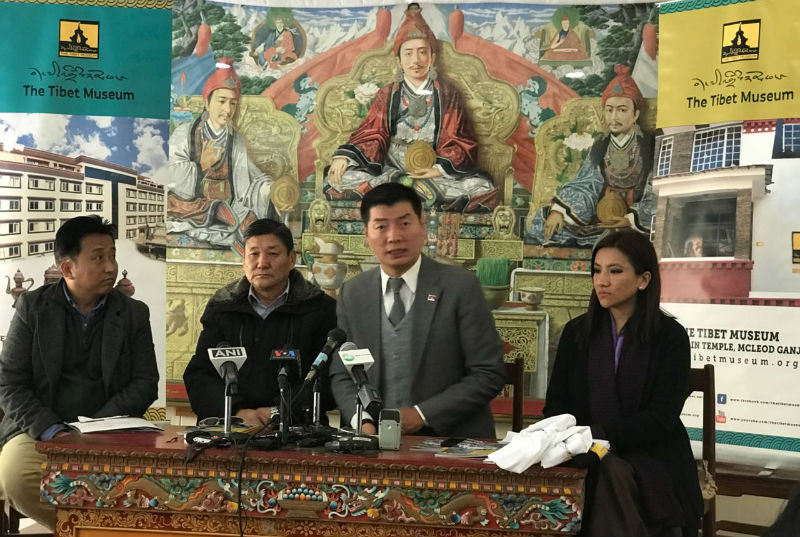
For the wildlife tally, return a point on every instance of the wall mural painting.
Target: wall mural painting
(526, 133)
(274, 107)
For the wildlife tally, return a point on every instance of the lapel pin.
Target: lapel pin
(431, 298)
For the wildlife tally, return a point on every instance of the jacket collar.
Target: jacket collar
(52, 326)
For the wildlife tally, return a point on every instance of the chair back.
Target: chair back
(702, 380)
(515, 376)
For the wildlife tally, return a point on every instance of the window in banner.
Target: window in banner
(130, 193)
(70, 206)
(70, 186)
(92, 188)
(160, 197)
(142, 219)
(9, 228)
(9, 251)
(716, 148)
(40, 247)
(66, 167)
(94, 205)
(131, 234)
(791, 137)
(41, 183)
(130, 207)
(142, 207)
(35, 204)
(665, 156)
(705, 227)
(41, 226)
(10, 181)
(130, 220)
(10, 204)
(152, 219)
(142, 195)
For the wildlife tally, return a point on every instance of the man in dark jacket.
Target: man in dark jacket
(74, 348)
(271, 307)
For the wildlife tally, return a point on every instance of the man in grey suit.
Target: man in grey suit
(74, 348)
(438, 356)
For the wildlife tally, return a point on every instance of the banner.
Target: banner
(84, 130)
(79, 59)
(728, 63)
(755, 351)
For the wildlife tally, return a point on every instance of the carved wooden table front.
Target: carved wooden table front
(104, 484)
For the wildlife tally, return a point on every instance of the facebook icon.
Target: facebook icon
(722, 398)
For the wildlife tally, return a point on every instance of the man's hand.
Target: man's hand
(210, 155)
(255, 416)
(368, 428)
(338, 167)
(410, 420)
(427, 173)
(553, 224)
(616, 222)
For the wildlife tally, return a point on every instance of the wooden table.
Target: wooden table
(106, 484)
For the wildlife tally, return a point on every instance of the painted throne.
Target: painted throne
(493, 107)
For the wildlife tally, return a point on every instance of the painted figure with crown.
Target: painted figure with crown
(613, 188)
(215, 190)
(416, 131)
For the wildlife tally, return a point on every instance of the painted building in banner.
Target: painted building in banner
(40, 190)
(724, 222)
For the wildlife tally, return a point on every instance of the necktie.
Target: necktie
(398, 309)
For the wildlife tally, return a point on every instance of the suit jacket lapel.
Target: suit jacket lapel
(368, 300)
(52, 327)
(112, 339)
(426, 300)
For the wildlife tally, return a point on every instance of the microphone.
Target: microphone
(357, 362)
(289, 362)
(335, 338)
(227, 361)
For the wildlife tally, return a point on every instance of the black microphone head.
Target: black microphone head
(338, 335)
(290, 358)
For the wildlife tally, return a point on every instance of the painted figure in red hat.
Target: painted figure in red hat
(613, 188)
(215, 190)
(419, 109)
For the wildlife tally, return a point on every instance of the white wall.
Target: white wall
(775, 216)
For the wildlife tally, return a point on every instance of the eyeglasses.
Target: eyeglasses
(219, 422)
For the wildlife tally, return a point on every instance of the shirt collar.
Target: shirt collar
(622, 139)
(97, 307)
(410, 276)
(251, 295)
(423, 89)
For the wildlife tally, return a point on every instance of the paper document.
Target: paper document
(113, 423)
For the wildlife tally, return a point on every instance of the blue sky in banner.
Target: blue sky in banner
(138, 143)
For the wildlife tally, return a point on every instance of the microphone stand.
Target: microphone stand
(228, 408)
(316, 408)
(359, 413)
(283, 384)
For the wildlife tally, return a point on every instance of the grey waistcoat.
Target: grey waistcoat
(396, 373)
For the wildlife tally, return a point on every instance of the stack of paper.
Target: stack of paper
(113, 423)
